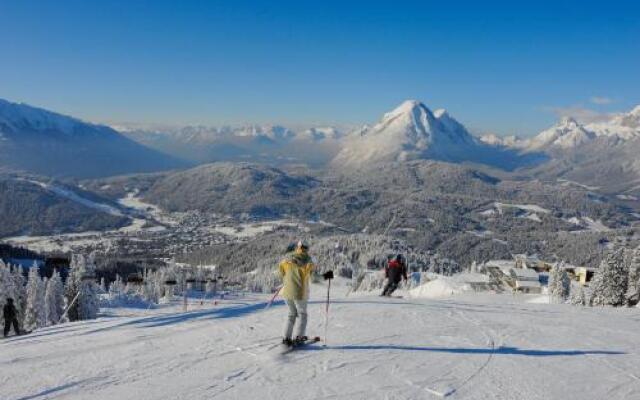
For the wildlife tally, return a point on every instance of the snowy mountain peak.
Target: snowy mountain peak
(59, 145)
(412, 131)
(569, 122)
(406, 107)
(568, 133)
(441, 113)
(410, 125)
(20, 116)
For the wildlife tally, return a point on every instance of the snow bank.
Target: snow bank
(544, 299)
(440, 287)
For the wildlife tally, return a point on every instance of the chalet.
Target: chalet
(514, 274)
(526, 280)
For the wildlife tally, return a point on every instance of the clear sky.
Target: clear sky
(505, 67)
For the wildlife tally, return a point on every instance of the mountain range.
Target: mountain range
(412, 131)
(43, 142)
(569, 133)
(411, 148)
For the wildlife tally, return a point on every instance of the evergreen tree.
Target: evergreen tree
(54, 299)
(81, 292)
(633, 289)
(116, 288)
(42, 311)
(34, 314)
(6, 283)
(579, 297)
(19, 294)
(148, 289)
(559, 283)
(609, 285)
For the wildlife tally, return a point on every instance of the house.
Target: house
(515, 274)
(526, 280)
(584, 274)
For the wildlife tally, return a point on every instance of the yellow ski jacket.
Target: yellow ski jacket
(295, 271)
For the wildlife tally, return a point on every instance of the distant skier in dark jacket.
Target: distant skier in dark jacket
(10, 315)
(395, 271)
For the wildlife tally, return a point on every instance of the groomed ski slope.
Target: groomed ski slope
(472, 346)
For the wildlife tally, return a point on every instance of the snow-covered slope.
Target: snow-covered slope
(32, 207)
(568, 133)
(44, 142)
(406, 133)
(625, 126)
(412, 131)
(464, 347)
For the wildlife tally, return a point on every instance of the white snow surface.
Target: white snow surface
(440, 287)
(73, 196)
(528, 207)
(469, 346)
(20, 115)
(406, 133)
(566, 134)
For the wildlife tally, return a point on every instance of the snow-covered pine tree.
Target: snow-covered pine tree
(559, 283)
(42, 311)
(6, 283)
(19, 294)
(81, 291)
(609, 285)
(88, 301)
(633, 286)
(54, 299)
(148, 288)
(34, 314)
(116, 288)
(579, 297)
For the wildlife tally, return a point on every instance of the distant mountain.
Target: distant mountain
(412, 131)
(270, 144)
(624, 126)
(506, 141)
(568, 133)
(232, 188)
(603, 154)
(32, 207)
(44, 142)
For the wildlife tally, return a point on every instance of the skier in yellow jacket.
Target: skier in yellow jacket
(295, 271)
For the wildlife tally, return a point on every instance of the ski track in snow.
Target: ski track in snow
(473, 346)
(69, 194)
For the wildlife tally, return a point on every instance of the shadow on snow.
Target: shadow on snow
(232, 311)
(513, 351)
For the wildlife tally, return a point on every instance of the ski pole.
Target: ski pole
(326, 314)
(64, 314)
(274, 297)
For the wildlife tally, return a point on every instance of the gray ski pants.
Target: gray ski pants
(296, 308)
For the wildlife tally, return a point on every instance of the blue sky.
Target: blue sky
(504, 67)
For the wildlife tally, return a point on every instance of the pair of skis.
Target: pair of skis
(299, 344)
